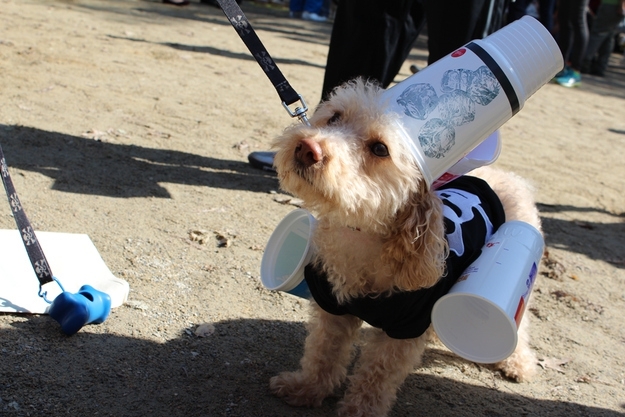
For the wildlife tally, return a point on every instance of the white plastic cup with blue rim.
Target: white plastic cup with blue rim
(288, 251)
(479, 317)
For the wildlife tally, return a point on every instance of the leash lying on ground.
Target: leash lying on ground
(71, 311)
(33, 249)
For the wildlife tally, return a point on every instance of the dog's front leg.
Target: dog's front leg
(327, 353)
(521, 365)
(383, 366)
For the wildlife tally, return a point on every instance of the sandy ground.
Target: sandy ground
(131, 121)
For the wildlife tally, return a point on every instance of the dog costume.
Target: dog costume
(472, 213)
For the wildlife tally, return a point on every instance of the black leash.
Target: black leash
(71, 311)
(243, 27)
(35, 253)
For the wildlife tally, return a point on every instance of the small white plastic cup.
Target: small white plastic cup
(287, 253)
(485, 153)
(478, 319)
(447, 109)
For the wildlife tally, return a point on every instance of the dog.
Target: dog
(381, 233)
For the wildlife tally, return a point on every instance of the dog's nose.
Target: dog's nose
(308, 152)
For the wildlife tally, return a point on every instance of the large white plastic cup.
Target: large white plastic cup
(287, 253)
(451, 106)
(485, 153)
(479, 317)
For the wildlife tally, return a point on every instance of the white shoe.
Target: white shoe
(313, 17)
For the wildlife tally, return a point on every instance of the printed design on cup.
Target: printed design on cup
(529, 284)
(467, 273)
(418, 100)
(461, 89)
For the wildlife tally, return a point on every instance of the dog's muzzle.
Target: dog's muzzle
(308, 153)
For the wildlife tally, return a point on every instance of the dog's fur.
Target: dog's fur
(380, 230)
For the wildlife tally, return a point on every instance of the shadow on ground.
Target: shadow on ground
(88, 166)
(599, 241)
(267, 17)
(47, 373)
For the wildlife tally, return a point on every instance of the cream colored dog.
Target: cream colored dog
(380, 231)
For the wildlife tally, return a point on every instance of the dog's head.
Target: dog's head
(350, 164)
(352, 168)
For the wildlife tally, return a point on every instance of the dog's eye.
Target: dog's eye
(379, 149)
(335, 118)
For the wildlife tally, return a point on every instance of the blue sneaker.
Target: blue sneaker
(568, 77)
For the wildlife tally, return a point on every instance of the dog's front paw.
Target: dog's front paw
(349, 409)
(365, 403)
(520, 367)
(297, 389)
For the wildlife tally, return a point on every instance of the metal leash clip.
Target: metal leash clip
(299, 112)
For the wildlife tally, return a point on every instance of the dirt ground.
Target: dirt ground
(131, 121)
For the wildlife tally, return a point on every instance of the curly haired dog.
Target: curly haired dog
(380, 232)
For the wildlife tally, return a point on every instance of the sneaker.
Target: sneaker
(295, 15)
(313, 17)
(565, 71)
(568, 78)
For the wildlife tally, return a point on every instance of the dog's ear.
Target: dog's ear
(417, 249)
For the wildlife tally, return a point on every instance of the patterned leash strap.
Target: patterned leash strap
(35, 253)
(243, 27)
(71, 310)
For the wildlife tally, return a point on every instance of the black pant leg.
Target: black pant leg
(452, 23)
(371, 39)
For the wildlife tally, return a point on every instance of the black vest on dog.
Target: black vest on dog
(472, 214)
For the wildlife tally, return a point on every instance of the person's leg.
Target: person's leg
(596, 38)
(516, 10)
(413, 17)
(600, 63)
(325, 8)
(451, 24)
(370, 39)
(565, 34)
(601, 40)
(313, 6)
(497, 18)
(545, 10)
(296, 6)
(580, 34)
(573, 39)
